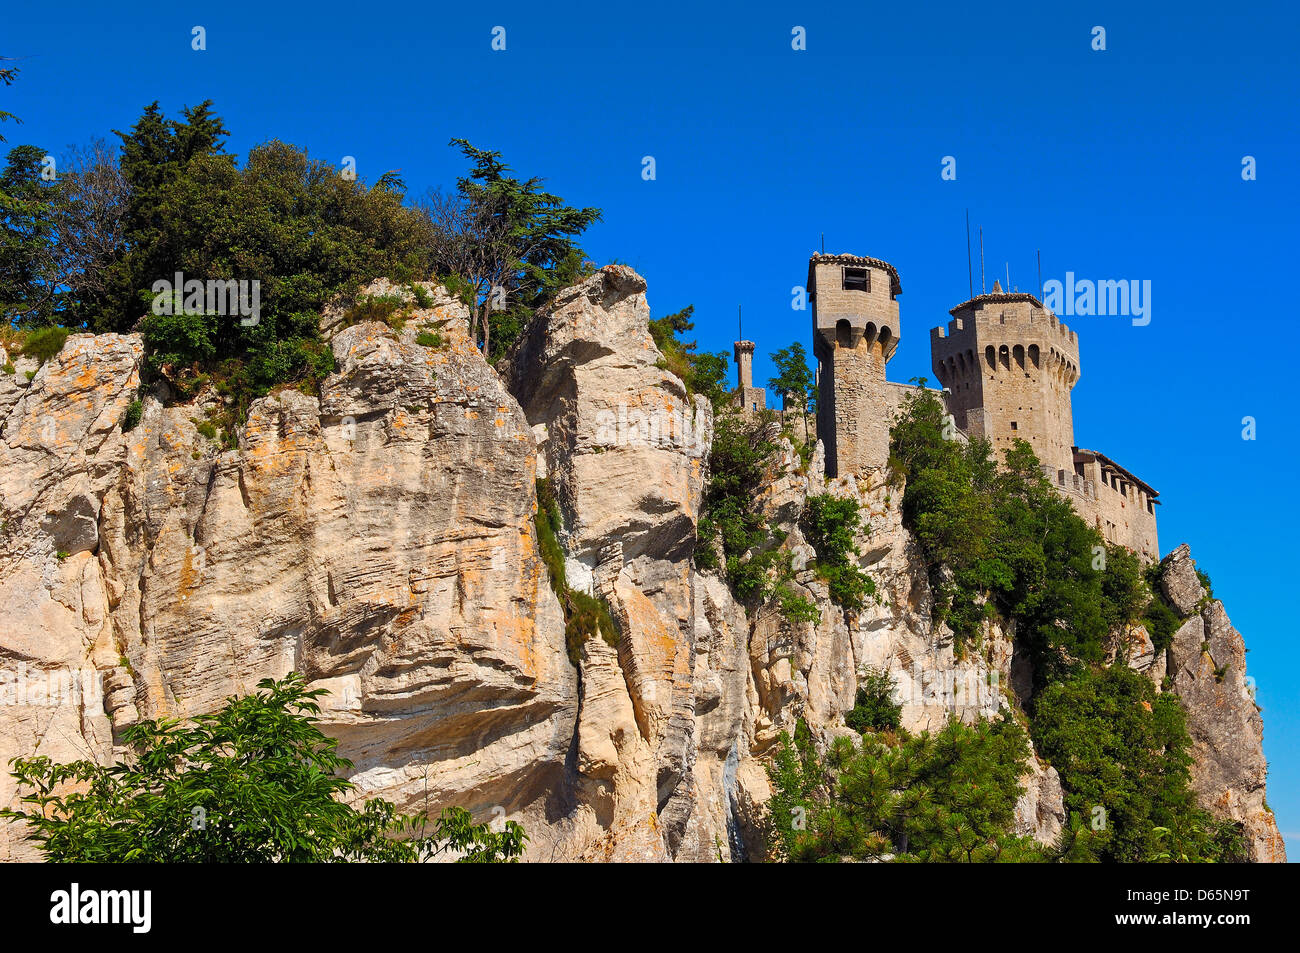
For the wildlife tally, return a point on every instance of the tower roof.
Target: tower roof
(1107, 461)
(997, 296)
(821, 258)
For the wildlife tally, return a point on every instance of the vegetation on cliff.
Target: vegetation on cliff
(945, 796)
(585, 617)
(1000, 542)
(88, 248)
(255, 782)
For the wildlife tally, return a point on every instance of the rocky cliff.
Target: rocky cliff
(380, 539)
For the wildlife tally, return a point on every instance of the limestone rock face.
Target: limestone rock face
(1179, 581)
(1207, 662)
(624, 449)
(380, 539)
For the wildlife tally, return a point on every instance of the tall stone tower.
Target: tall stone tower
(855, 333)
(1009, 366)
(751, 398)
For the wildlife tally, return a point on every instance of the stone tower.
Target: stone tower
(855, 333)
(1009, 366)
(751, 398)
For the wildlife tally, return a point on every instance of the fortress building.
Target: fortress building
(1007, 367)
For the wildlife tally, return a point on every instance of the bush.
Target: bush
(429, 339)
(384, 309)
(733, 521)
(830, 524)
(131, 418)
(44, 343)
(874, 708)
(1122, 748)
(254, 782)
(949, 796)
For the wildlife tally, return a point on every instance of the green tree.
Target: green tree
(516, 248)
(794, 377)
(830, 524)
(947, 796)
(1121, 751)
(702, 372)
(874, 708)
(256, 781)
(28, 275)
(733, 522)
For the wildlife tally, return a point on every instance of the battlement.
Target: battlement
(997, 317)
(855, 332)
(854, 297)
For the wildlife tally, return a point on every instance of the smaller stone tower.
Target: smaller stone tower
(1009, 366)
(855, 332)
(751, 398)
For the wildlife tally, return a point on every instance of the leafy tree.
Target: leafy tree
(28, 277)
(947, 796)
(513, 243)
(829, 524)
(794, 377)
(733, 522)
(1121, 747)
(256, 781)
(702, 372)
(798, 791)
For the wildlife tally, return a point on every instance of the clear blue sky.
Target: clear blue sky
(1117, 164)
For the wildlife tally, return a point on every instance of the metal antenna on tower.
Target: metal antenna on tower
(982, 259)
(823, 243)
(970, 274)
(1040, 274)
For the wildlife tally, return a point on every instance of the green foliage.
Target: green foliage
(874, 708)
(794, 377)
(28, 276)
(795, 607)
(1000, 540)
(429, 339)
(386, 309)
(510, 235)
(585, 617)
(1161, 622)
(44, 343)
(733, 522)
(949, 796)
(830, 524)
(254, 782)
(798, 791)
(1120, 746)
(131, 417)
(702, 372)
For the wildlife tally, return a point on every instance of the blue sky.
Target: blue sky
(1122, 164)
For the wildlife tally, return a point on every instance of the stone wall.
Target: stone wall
(1006, 354)
(855, 333)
